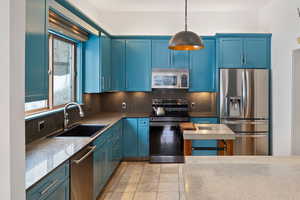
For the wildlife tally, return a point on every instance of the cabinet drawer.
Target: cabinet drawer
(49, 184)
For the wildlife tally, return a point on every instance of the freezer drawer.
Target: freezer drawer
(250, 144)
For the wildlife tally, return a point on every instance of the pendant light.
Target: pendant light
(186, 40)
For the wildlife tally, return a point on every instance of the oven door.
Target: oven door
(166, 143)
(165, 80)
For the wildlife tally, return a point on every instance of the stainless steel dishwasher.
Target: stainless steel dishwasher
(82, 174)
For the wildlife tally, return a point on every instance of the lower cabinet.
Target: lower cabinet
(107, 156)
(55, 186)
(136, 138)
(205, 143)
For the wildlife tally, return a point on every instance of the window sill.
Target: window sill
(46, 113)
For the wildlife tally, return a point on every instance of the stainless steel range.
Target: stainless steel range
(166, 141)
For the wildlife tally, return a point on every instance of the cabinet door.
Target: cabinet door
(118, 65)
(138, 65)
(205, 143)
(180, 59)
(99, 169)
(256, 53)
(161, 55)
(203, 68)
(130, 138)
(106, 63)
(61, 193)
(92, 68)
(36, 54)
(143, 135)
(230, 53)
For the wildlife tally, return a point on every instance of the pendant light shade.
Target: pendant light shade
(186, 40)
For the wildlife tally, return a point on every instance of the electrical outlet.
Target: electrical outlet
(124, 105)
(41, 125)
(193, 104)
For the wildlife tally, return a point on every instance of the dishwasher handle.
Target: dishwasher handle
(92, 149)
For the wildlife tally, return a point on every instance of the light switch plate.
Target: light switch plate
(41, 125)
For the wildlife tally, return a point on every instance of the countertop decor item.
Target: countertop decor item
(186, 40)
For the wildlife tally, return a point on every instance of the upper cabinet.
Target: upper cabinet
(163, 57)
(138, 65)
(118, 65)
(180, 59)
(97, 76)
(36, 67)
(203, 68)
(244, 51)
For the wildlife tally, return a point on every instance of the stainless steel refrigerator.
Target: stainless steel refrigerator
(244, 107)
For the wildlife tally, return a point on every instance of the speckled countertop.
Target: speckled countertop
(209, 132)
(242, 178)
(45, 155)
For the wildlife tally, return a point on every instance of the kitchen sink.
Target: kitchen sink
(82, 130)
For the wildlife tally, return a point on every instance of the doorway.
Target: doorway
(296, 103)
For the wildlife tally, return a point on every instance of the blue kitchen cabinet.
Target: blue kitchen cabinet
(61, 193)
(256, 53)
(138, 65)
(244, 51)
(130, 138)
(36, 52)
(180, 59)
(100, 162)
(161, 54)
(97, 69)
(54, 186)
(203, 68)
(163, 57)
(136, 138)
(231, 53)
(118, 65)
(143, 137)
(106, 63)
(204, 143)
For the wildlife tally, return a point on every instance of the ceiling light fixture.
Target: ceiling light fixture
(186, 40)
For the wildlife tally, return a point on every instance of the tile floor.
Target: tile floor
(144, 181)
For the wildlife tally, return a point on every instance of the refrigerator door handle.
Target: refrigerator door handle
(245, 91)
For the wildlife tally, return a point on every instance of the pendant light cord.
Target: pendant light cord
(186, 15)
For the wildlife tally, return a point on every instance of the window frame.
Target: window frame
(50, 101)
(50, 70)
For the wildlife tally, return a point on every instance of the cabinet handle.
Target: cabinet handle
(92, 149)
(102, 82)
(245, 59)
(242, 59)
(49, 187)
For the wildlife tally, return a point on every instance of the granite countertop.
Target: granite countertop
(45, 155)
(242, 177)
(209, 132)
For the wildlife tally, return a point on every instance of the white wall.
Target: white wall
(281, 19)
(168, 23)
(12, 143)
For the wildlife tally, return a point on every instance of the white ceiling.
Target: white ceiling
(176, 5)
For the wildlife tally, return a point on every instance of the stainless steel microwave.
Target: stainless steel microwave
(170, 78)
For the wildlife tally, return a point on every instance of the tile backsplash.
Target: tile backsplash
(136, 102)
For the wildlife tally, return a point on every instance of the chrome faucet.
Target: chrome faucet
(66, 115)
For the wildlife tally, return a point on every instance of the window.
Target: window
(62, 76)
